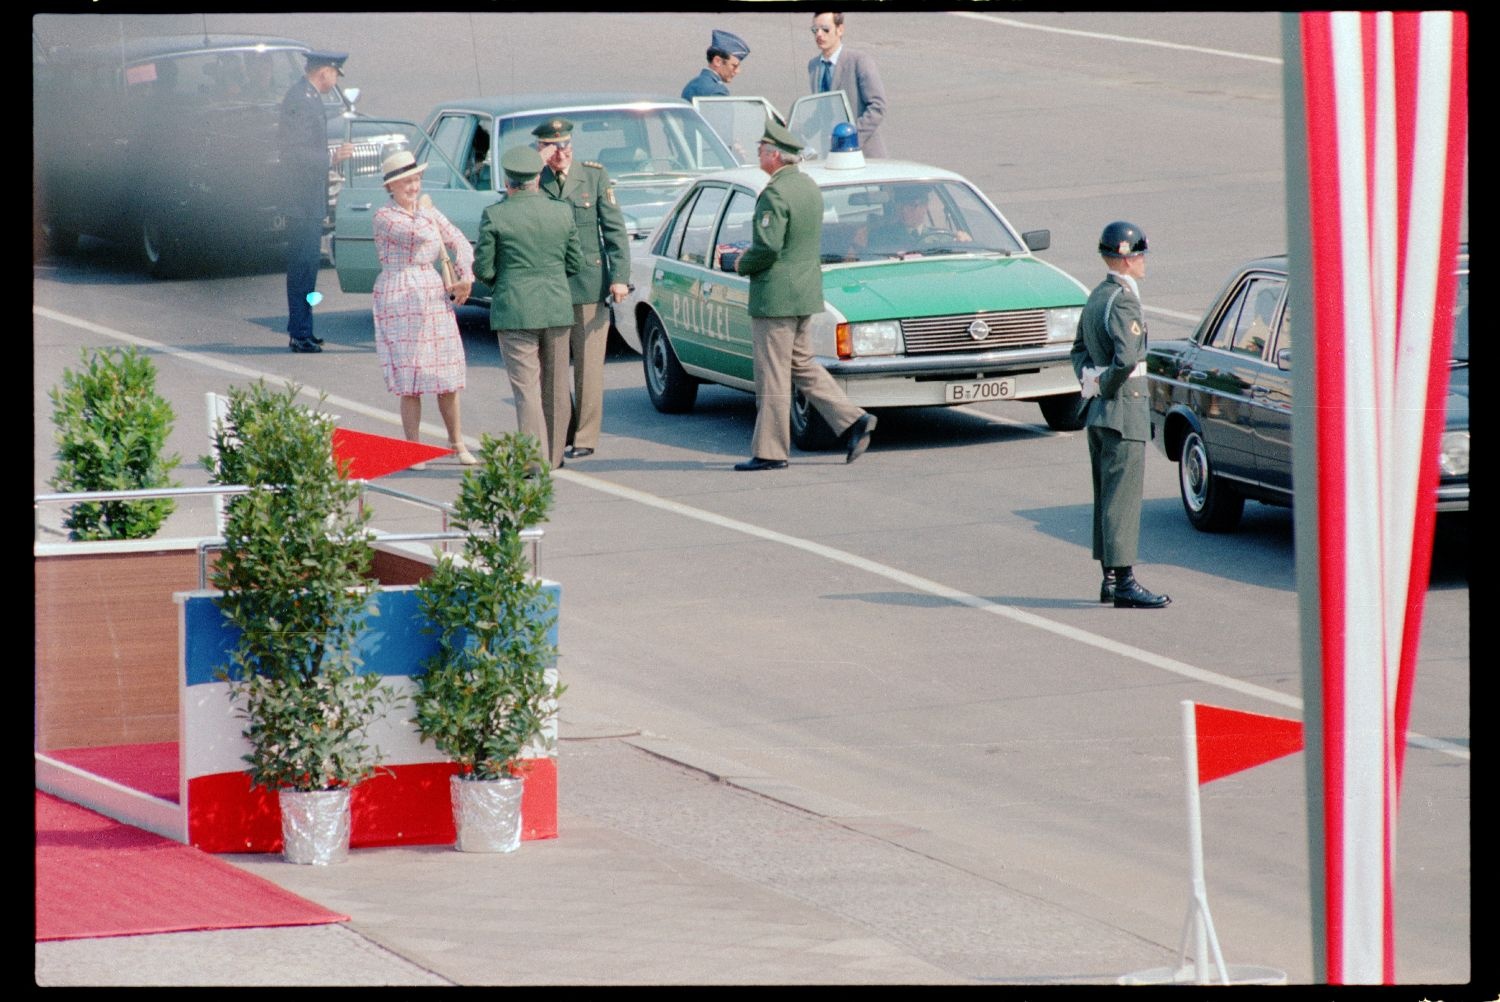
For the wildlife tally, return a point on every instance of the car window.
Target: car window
(1245, 327)
(633, 140)
(736, 226)
(451, 135)
(670, 241)
(375, 139)
(211, 78)
(1460, 349)
(698, 238)
(869, 222)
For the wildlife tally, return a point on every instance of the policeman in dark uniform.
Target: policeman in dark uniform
(605, 275)
(726, 51)
(305, 161)
(1109, 358)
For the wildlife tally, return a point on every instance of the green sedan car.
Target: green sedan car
(931, 297)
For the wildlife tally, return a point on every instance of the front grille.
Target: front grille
(1012, 329)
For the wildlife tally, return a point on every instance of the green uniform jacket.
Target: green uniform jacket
(784, 259)
(601, 229)
(1112, 336)
(528, 249)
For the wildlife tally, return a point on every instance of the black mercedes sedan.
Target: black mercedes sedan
(1221, 401)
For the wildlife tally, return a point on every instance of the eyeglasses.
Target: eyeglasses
(822, 29)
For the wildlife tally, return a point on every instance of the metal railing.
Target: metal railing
(532, 536)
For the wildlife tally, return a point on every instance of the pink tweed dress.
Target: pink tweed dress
(416, 332)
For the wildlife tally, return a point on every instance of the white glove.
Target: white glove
(1089, 382)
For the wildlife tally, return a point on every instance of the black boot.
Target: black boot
(1107, 586)
(1130, 595)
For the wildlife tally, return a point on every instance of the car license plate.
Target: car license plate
(980, 390)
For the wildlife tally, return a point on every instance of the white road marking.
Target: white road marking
(1127, 39)
(904, 578)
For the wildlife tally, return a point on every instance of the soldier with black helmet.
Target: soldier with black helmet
(1109, 358)
(604, 277)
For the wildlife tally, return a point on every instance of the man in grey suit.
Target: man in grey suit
(851, 71)
(1109, 358)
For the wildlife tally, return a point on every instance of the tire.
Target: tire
(671, 389)
(58, 239)
(1062, 412)
(159, 249)
(1211, 504)
(810, 432)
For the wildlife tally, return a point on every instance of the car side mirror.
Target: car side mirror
(1037, 240)
(729, 261)
(1284, 359)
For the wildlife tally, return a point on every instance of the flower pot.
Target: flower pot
(315, 826)
(486, 813)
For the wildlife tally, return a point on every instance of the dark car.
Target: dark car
(1221, 401)
(168, 144)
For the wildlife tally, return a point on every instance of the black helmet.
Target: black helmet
(1122, 239)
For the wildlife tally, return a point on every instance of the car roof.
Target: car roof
(873, 172)
(1278, 262)
(155, 46)
(553, 103)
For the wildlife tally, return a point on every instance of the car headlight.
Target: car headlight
(1062, 324)
(1454, 461)
(880, 338)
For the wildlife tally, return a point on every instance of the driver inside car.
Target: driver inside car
(909, 230)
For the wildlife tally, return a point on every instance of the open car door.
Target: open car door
(363, 192)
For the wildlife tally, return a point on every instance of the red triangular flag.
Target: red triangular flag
(1232, 740)
(371, 456)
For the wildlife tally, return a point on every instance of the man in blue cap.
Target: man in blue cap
(305, 160)
(726, 50)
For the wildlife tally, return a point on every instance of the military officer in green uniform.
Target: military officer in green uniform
(786, 289)
(1109, 358)
(527, 253)
(604, 277)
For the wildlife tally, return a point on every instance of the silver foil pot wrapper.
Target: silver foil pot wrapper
(315, 826)
(487, 814)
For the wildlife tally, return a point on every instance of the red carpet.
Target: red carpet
(97, 877)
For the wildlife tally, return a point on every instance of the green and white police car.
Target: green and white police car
(931, 297)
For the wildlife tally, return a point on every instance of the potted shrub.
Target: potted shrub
(484, 696)
(111, 429)
(295, 578)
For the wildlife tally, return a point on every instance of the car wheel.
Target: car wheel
(58, 239)
(1062, 412)
(672, 390)
(159, 250)
(810, 432)
(1211, 504)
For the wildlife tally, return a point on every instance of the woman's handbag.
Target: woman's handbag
(450, 274)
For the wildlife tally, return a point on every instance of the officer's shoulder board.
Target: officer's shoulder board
(592, 163)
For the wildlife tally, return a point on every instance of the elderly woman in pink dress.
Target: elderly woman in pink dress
(416, 331)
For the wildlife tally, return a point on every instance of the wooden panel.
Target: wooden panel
(106, 646)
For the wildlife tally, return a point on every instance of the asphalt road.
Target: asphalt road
(911, 640)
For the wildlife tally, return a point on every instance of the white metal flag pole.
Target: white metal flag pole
(1199, 923)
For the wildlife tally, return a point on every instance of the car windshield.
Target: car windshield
(633, 141)
(902, 219)
(234, 76)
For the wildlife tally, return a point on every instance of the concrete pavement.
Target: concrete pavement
(669, 869)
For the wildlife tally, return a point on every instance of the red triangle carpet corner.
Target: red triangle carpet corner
(97, 877)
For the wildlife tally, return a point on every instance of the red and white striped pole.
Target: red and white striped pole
(1376, 142)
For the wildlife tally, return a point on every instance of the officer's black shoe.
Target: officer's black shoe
(859, 436)
(1130, 595)
(574, 452)
(756, 463)
(1107, 586)
(315, 339)
(304, 347)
